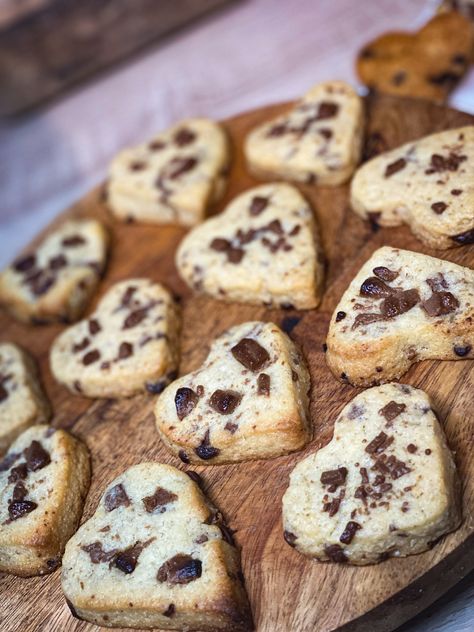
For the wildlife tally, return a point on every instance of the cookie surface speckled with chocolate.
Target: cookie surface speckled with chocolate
(128, 345)
(174, 178)
(22, 399)
(402, 307)
(427, 184)
(44, 479)
(384, 486)
(318, 141)
(248, 400)
(426, 64)
(262, 249)
(156, 554)
(55, 282)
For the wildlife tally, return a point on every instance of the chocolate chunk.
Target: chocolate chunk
(156, 145)
(128, 295)
(3, 393)
(340, 316)
(134, 318)
(278, 130)
(427, 452)
(376, 288)
(91, 357)
(125, 350)
(185, 401)
(170, 610)
(94, 326)
(55, 263)
(446, 78)
(225, 402)
(334, 478)
(349, 532)
(394, 167)
(439, 207)
(157, 503)
(263, 384)
(411, 448)
(116, 497)
(180, 569)
(80, 346)
(332, 507)
(126, 561)
(178, 166)
(97, 553)
(437, 283)
(36, 456)
(391, 466)
(40, 283)
(234, 254)
(205, 450)
(249, 353)
(73, 240)
(392, 410)
(25, 263)
(137, 165)
(290, 538)
(257, 205)
(439, 163)
(399, 303)
(325, 132)
(327, 109)
(385, 274)
(184, 136)
(379, 444)
(18, 509)
(440, 304)
(232, 428)
(366, 319)
(464, 238)
(183, 456)
(335, 553)
(462, 351)
(18, 473)
(289, 323)
(456, 191)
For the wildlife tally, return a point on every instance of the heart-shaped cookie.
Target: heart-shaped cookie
(156, 554)
(248, 400)
(427, 184)
(128, 345)
(54, 282)
(384, 486)
(44, 478)
(22, 400)
(263, 249)
(318, 141)
(172, 179)
(400, 308)
(426, 64)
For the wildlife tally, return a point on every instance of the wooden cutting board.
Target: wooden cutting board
(287, 591)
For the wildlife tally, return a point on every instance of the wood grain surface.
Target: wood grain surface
(287, 591)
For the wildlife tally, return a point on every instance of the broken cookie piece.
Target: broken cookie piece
(174, 178)
(128, 345)
(55, 282)
(384, 486)
(263, 249)
(248, 400)
(317, 142)
(156, 554)
(44, 478)
(427, 184)
(22, 399)
(402, 307)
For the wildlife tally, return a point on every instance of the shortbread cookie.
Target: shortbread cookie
(385, 486)
(22, 400)
(248, 400)
(56, 281)
(318, 141)
(156, 554)
(44, 479)
(128, 345)
(427, 184)
(401, 307)
(263, 249)
(172, 179)
(426, 64)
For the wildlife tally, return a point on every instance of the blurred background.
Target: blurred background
(80, 79)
